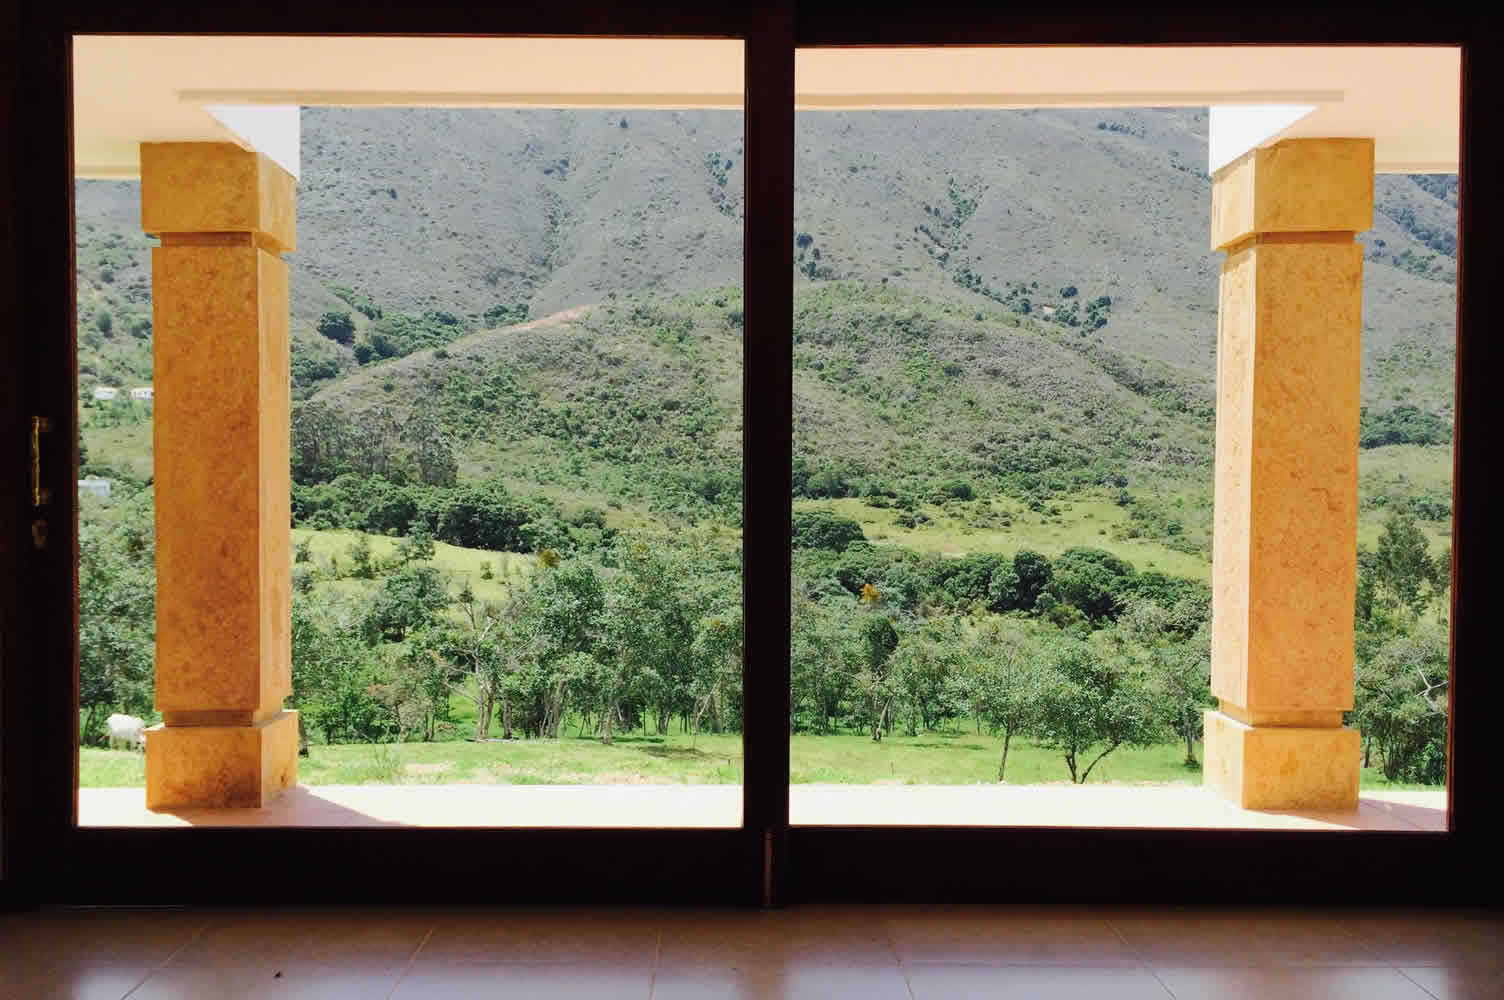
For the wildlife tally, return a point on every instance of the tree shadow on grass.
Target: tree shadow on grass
(618, 738)
(949, 746)
(675, 753)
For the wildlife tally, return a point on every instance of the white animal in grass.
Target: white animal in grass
(127, 730)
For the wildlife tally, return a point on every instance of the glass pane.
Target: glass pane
(1006, 340)
(515, 458)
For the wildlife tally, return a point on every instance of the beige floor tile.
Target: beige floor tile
(931, 981)
(522, 981)
(1348, 983)
(1434, 937)
(797, 980)
(346, 979)
(706, 982)
(146, 936)
(1023, 935)
(1465, 983)
(308, 935)
(741, 938)
(1175, 937)
(809, 951)
(625, 938)
(68, 980)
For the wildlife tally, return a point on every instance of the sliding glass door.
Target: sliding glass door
(687, 470)
(1017, 397)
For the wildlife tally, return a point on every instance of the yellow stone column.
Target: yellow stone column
(220, 438)
(1285, 528)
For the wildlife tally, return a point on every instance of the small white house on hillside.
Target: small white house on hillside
(142, 392)
(95, 487)
(105, 392)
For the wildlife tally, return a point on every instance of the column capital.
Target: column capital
(217, 187)
(1295, 186)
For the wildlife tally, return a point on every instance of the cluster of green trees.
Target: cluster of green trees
(1077, 313)
(1402, 655)
(1403, 424)
(478, 514)
(384, 334)
(1442, 239)
(327, 443)
(1138, 681)
(117, 600)
(1082, 585)
(635, 637)
(394, 334)
(390, 477)
(1081, 652)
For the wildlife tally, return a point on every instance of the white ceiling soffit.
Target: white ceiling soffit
(274, 129)
(133, 89)
(1234, 131)
(1406, 98)
(129, 89)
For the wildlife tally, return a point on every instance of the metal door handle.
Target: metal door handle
(39, 495)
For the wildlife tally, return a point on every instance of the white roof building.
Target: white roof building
(142, 392)
(105, 392)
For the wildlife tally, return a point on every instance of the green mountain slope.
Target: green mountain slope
(636, 402)
(1020, 299)
(461, 210)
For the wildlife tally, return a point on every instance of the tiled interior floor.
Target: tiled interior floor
(836, 952)
(870, 952)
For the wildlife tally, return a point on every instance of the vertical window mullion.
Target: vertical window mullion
(767, 429)
(1473, 755)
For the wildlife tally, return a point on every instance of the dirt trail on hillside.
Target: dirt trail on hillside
(562, 316)
(573, 312)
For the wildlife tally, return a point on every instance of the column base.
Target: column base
(1281, 767)
(221, 766)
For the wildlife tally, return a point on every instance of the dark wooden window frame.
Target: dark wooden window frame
(48, 858)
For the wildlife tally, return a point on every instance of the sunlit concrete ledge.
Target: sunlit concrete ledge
(701, 806)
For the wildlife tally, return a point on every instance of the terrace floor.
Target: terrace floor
(690, 806)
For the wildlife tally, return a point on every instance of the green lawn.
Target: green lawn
(931, 758)
(122, 440)
(965, 528)
(457, 563)
(1403, 467)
